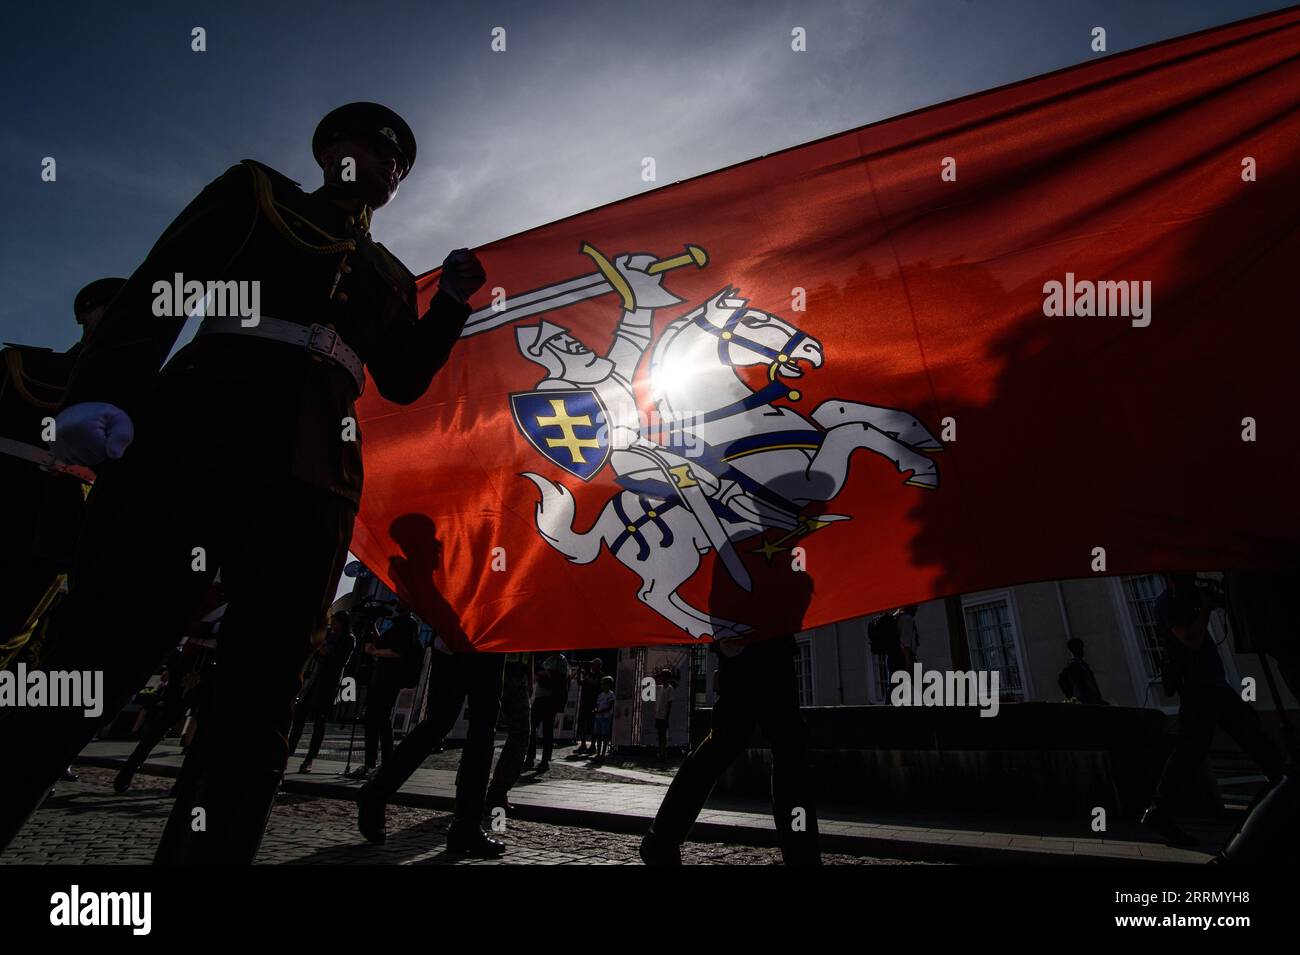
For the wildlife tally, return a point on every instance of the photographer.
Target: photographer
(667, 683)
(1194, 670)
(590, 675)
(317, 698)
(552, 683)
(397, 656)
(893, 636)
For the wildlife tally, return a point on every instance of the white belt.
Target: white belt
(317, 339)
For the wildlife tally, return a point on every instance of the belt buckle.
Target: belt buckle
(317, 330)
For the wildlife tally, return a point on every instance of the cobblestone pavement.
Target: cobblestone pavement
(564, 763)
(86, 822)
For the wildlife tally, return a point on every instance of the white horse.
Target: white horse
(759, 464)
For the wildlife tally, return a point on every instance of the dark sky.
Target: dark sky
(556, 124)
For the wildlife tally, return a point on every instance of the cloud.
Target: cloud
(556, 125)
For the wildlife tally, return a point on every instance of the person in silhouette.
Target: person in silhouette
(317, 699)
(1077, 681)
(1194, 669)
(756, 688)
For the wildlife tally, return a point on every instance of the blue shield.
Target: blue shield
(567, 425)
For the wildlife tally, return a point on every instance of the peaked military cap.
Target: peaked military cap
(98, 292)
(369, 121)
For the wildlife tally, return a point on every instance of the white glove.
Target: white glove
(91, 432)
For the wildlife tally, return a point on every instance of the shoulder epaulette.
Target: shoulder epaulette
(398, 265)
(275, 176)
(265, 180)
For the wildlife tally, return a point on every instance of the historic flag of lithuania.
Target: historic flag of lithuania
(1046, 331)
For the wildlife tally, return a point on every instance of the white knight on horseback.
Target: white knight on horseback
(727, 462)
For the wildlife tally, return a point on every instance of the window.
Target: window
(1140, 592)
(991, 636)
(803, 673)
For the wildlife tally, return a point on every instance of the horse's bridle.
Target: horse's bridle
(727, 337)
(774, 390)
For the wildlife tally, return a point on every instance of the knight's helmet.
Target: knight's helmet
(532, 340)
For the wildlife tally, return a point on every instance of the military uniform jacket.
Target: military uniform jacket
(40, 512)
(263, 410)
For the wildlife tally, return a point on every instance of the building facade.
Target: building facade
(1019, 631)
(1022, 632)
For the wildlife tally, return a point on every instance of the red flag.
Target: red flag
(1046, 331)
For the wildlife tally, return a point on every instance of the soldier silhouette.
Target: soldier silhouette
(456, 677)
(239, 455)
(756, 689)
(43, 510)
